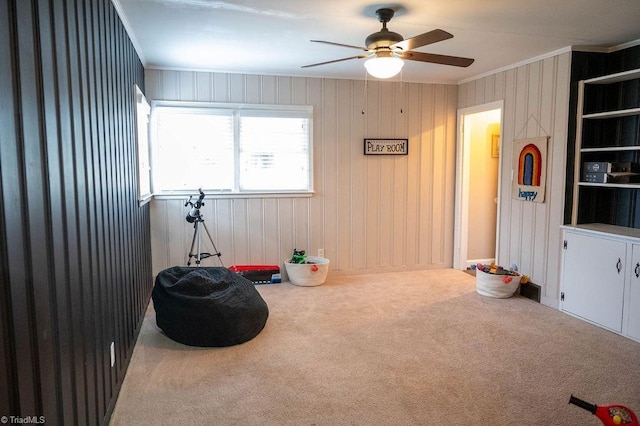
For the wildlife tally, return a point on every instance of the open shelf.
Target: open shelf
(615, 78)
(611, 185)
(611, 149)
(613, 114)
(608, 131)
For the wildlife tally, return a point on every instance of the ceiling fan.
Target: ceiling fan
(386, 49)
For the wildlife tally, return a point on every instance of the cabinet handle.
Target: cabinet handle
(637, 270)
(619, 265)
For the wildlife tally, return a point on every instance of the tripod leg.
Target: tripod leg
(199, 253)
(196, 235)
(215, 249)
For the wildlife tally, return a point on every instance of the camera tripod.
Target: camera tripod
(195, 217)
(195, 243)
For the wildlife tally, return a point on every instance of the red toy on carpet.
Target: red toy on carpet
(609, 415)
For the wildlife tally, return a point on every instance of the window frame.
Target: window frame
(143, 146)
(237, 110)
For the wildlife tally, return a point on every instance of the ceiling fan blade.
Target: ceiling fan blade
(339, 44)
(335, 60)
(422, 40)
(456, 61)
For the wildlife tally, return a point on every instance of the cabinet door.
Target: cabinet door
(633, 307)
(593, 279)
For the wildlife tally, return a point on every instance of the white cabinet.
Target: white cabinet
(633, 300)
(601, 276)
(594, 279)
(601, 259)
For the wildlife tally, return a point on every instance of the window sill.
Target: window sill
(175, 195)
(145, 199)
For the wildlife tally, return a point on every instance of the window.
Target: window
(142, 138)
(231, 148)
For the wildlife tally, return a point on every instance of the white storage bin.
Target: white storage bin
(493, 285)
(308, 274)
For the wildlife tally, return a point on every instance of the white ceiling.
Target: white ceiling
(272, 37)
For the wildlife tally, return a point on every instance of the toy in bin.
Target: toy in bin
(299, 256)
(609, 415)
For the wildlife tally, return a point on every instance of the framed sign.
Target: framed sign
(495, 146)
(386, 146)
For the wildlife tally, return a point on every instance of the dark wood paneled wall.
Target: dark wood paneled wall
(74, 244)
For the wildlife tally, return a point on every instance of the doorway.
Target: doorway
(478, 170)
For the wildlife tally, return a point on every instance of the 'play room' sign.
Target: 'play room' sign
(386, 146)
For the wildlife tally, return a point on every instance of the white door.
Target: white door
(593, 279)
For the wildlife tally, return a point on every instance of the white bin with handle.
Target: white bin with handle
(498, 286)
(309, 274)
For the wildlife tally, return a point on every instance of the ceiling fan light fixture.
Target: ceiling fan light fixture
(384, 67)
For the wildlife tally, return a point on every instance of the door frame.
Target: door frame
(461, 223)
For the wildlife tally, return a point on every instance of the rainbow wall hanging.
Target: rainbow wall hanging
(529, 166)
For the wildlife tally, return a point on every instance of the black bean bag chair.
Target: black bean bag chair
(203, 306)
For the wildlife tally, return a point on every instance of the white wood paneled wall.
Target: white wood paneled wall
(369, 213)
(530, 232)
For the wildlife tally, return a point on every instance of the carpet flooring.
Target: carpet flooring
(408, 348)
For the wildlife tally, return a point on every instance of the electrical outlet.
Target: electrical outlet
(113, 353)
(320, 252)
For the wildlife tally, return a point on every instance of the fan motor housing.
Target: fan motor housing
(383, 38)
